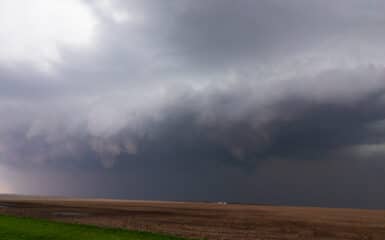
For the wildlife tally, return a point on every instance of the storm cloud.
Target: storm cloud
(277, 102)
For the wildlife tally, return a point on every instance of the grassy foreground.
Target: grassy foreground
(15, 228)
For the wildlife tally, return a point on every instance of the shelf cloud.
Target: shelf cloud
(272, 101)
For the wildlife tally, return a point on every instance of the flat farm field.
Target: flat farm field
(212, 221)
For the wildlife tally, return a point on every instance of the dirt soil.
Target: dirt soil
(214, 221)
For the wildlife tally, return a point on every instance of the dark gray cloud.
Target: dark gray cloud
(228, 33)
(248, 101)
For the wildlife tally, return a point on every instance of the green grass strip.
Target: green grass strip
(17, 228)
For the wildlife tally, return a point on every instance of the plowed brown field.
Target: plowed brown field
(206, 220)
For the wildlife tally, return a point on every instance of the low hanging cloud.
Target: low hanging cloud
(183, 95)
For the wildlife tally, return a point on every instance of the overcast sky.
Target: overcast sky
(258, 101)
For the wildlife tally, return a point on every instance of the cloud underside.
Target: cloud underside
(250, 101)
